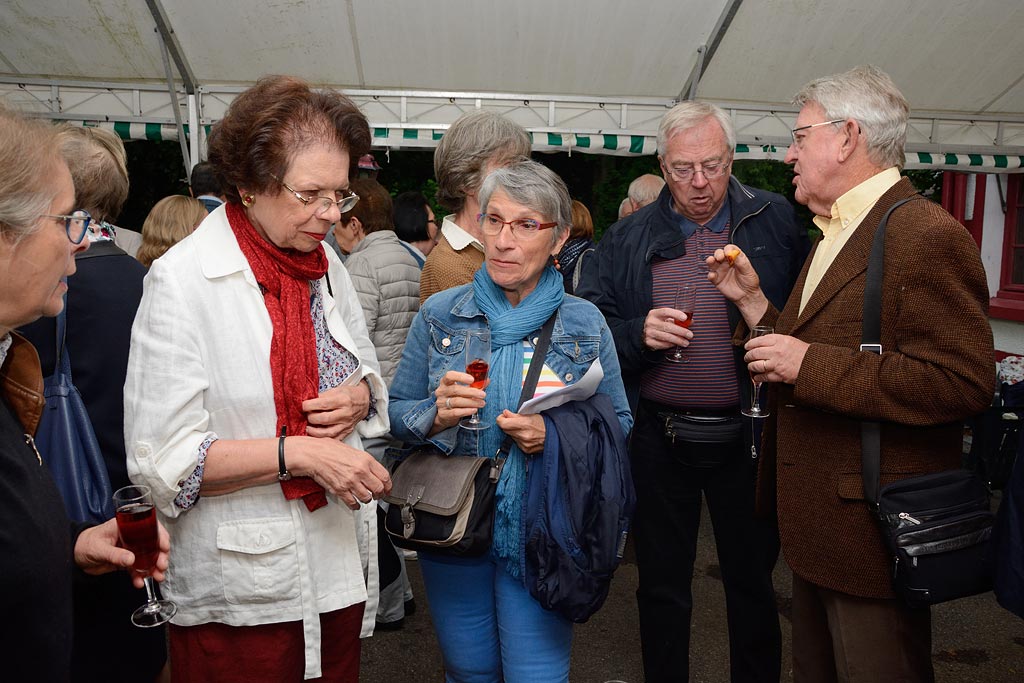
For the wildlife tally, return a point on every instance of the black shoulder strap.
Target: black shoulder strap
(871, 340)
(530, 384)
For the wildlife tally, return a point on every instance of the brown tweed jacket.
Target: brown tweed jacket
(937, 368)
(446, 268)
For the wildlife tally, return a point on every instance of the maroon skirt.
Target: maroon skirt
(218, 653)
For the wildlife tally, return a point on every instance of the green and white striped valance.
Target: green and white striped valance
(617, 145)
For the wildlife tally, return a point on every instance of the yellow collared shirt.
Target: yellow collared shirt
(846, 214)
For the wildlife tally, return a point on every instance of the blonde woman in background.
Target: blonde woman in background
(170, 221)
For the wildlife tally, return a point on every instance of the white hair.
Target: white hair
(867, 95)
(686, 115)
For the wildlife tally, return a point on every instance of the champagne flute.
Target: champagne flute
(685, 299)
(478, 362)
(136, 525)
(755, 409)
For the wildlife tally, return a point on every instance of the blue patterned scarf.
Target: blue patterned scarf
(509, 327)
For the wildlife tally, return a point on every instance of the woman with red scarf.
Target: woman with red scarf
(250, 384)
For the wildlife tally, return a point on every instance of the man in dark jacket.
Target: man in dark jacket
(689, 439)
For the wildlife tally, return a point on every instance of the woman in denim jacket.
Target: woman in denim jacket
(488, 625)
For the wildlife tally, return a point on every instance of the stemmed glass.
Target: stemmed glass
(136, 524)
(755, 409)
(478, 362)
(685, 300)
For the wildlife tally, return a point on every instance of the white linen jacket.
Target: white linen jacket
(199, 365)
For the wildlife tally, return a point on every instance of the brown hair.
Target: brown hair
(99, 169)
(170, 221)
(374, 208)
(582, 223)
(269, 123)
(28, 157)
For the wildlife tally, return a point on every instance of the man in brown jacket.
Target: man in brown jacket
(935, 369)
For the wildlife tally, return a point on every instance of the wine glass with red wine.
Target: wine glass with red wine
(136, 525)
(685, 300)
(478, 363)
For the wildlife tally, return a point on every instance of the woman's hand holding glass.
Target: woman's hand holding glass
(98, 550)
(456, 399)
(336, 412)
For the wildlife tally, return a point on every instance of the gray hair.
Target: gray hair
(867, 95)
(535, 186)
(645, 189)
(28, 157)
(687, 115)
(625, 208)
(470, 144)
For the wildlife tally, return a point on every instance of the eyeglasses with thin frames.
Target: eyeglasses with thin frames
(76, 225)
(686, 174)
(799, 141)
(521, 228)
(322, 204)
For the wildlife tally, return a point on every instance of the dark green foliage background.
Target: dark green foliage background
(599, 181)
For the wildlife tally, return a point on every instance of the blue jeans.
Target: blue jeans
(489, 627)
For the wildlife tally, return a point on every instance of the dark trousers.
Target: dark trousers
(665, 533)
(844, 638)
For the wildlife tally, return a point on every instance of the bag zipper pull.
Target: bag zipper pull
(32, 442)
(907, 518)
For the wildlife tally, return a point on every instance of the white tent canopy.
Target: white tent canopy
(580, 75)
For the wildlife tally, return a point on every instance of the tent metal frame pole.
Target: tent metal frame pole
(706, 52)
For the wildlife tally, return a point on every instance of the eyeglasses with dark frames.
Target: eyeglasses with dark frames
(321, 204)
(798, 141)
(492, 223)
(76, 225)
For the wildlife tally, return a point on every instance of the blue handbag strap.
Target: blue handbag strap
(62, 364)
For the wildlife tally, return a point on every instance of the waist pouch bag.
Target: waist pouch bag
(445, 503)
(66, 441)
(681, 428)
(938, 529)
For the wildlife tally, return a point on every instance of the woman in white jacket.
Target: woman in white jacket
(250, 382)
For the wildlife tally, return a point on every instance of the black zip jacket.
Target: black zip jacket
(618, 276)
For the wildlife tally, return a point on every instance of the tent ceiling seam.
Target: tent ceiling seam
(350, 8)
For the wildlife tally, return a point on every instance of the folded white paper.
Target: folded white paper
(580, 391)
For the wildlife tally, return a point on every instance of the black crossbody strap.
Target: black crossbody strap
(532, 375)
(871, 340)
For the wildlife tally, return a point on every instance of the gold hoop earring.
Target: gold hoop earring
(248, 200)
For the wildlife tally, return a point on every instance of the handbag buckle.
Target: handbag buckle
(873, 348)
(408, 514)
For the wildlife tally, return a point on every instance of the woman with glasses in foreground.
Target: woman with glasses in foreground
(250, 385)
(40, 233)
(488, 625)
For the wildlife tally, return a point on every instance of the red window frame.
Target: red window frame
(1008, 303)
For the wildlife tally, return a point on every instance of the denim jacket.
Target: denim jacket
(580, 336)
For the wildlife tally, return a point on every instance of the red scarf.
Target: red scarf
(283, 276)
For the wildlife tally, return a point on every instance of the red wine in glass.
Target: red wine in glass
(685, 300)
(478, 363)
(136, 525)
(478, 368)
